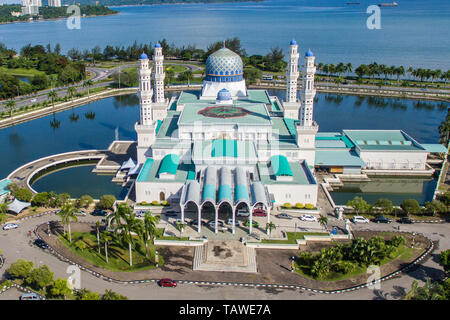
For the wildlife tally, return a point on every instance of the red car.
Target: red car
(259, 213)
(167, 283)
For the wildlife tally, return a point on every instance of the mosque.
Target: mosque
(227, 148)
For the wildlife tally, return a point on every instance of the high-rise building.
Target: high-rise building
(54, 3)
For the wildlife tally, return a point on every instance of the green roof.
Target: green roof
(145, 170)
(169, 164)
(280, 165)
(158, 125)
(258, 96)
(383, 140)
(301, 174)
(338, 158)
(434, 148)
(224, 148)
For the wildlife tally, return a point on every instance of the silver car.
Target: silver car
(10, 226)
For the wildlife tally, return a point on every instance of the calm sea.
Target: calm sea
(415, 33)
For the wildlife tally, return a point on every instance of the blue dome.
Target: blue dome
(157, 45)
(224, 66)
(143, 56)
(224, 95)
(309, 53)
(293, 42)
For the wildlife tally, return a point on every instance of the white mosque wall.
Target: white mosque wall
(394, 160)
(294, 193)
(151, 191)
(210, 89)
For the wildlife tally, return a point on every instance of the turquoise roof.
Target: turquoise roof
(158, 125)
(169, 164)
(383, 140)
(145, 170)
(347, 142)
(434, 148)
(280, 165)
(209, 193)
(224, 148)
(338, 158)
(241, 193)
(225, 193)
(301, 174)
(4, 186)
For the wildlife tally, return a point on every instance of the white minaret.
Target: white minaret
(158, 74)
(307, 128)
(308, 90)
(145, 91)
(291, 104)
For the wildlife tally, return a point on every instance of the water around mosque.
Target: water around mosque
(38, 138)
(415, 33)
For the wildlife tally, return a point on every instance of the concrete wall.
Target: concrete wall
(294, 193)
(394, 160)
(150, 191)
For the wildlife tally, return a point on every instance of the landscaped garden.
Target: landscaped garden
(292, 237)
(348, 260)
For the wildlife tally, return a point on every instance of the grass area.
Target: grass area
(402, 253)
(293, 236)
(442, 185)
(160, 232)
(176, 68)
(117, 253)
(21, 72)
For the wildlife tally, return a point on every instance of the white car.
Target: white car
(10, 226)
(359, 219)
(307, 217)
(243, 213)
(230, 222)
(80, 213)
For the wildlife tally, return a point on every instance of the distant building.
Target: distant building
(16, 14)
(31, 7)
(54, 3)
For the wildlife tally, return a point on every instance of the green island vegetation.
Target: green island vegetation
(41, 280)
(433, 290)
(50, 12)
(343, 261)
(408, 208)
(150, 2)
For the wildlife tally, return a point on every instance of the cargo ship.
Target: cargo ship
(393, 4)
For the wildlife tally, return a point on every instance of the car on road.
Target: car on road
(255, 224)
(171, 214)
(259, 213)
(10, 226)
(33, 100)
(381, 219)
(30, 296)
(242, 213)
(167, 283)
(360, 219)
(101, 213)
(140, 213)
(308, 217)
(284, 216)
(195, 222)
(212, 223)
(80, 213)
(41, 244)
(230, 222)
(405, 220)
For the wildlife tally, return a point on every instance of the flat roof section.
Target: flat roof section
(434, 148)
(150, 172)
(338, 158)
(383, 140)
(301, 174)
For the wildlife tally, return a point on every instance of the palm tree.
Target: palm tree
(10, 105)
(349, 67)
(67, 213)
(88, 84)
(323, 221)
(270, 226)
(149, 229)
(125, 230)
(52, 95)
(97, 227)
(106, 238)
(71, 92)
(180, 227)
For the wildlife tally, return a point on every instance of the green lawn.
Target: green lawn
(160, 232)
(293, 236)
(176, 68)
(21, 72)
(118, 254)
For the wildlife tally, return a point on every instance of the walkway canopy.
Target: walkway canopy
(209, 185)
(240, 189)
(192, 193)
(225, 193)
(17, 206)
(259, 194)
(127, 165)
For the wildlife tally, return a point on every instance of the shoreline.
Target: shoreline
(60, 18)
(178, 3)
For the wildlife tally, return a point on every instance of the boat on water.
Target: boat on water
(393, 4)
(350, 3)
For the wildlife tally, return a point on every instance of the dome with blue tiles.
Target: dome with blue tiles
(293, 42)
(224, 66)
(224, 95)
(309, 53)
(157, 45)
(143, 56)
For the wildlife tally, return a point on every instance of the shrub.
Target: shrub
(85, 201)
(164, 203)
(410, 206)
(111, 295)
(106, 201)
(155, 203)
(299, 205)
(20, 269)
(59, 288)
(85, 294)
(144, 203)
(397, 241)
(23, 194)
(40, 277)
(81, 245)
(287, 205)
(385, 205)
(309, 206)
(445, 260)
(40, 199)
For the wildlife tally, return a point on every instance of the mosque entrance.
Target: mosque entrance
(208, 211)
(225, 212)
(162, 196)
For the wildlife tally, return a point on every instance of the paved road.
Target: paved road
(16, 244)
